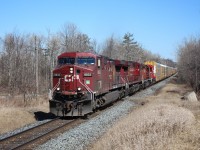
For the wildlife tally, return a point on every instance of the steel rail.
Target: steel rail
(6, 140)
(30, 142)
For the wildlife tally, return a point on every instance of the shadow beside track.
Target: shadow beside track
(39, 116)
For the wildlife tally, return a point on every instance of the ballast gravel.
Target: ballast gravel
(79, 137)
(84, 134)
(26, 127)
(150, 90)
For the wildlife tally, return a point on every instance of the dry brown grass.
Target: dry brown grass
(18, 101)
(12, 118)
(164, 122)
(15, 113)
(152, 128)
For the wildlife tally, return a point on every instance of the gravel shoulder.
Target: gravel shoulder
(167, 119)
(83, 135)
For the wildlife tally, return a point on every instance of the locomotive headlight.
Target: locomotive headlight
(58, 89)
(71, 70)
(79, 89)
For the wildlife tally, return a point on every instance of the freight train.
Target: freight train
(84, 81)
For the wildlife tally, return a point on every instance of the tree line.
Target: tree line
(189, 62)
(27, 60)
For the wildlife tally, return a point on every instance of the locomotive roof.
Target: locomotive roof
(90, 54)
(77, 54)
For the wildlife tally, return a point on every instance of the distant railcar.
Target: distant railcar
(161, 71)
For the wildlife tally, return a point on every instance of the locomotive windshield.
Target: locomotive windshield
(86, 60)
(63, 61)
(79, 60)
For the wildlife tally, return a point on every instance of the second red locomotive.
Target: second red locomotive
(84, 81)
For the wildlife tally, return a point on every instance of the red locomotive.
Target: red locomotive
(84, 81)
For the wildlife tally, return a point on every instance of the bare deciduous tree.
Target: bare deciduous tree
(189, 62)
(53, 49)
(27, 61)
(109, 47)
(73, 40)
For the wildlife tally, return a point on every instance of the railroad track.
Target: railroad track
(32, 137)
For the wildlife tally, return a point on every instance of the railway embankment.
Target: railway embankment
(163, 116)
(168, 119)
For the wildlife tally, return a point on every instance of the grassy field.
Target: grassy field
(15, 113)
(163, 121)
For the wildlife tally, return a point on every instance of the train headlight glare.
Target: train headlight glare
(58, 89)
(71, 70)
(79, 89)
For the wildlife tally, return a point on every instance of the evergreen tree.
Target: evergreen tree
(130, 46)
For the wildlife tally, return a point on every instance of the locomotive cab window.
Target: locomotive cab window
(86, 60)
(62, 61)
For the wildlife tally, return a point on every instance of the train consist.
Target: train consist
(84, 81)
(161, 71)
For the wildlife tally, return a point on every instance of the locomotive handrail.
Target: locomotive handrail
(56, 85)
(52, 91)
(123, 80)
(87, 88)
(127, 79)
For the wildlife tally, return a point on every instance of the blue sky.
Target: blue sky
(158, 25)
